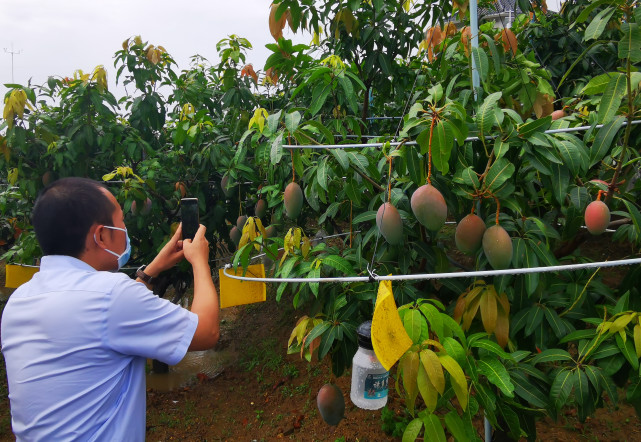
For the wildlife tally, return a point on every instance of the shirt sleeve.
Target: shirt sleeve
(142, 324)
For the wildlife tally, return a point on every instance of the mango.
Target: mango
(429, 207)
(469, 234)
(240, 222)
(389, 223)
(497, 246)
(331, 404)
(223, 185)
(271, 231)
(261, 208)
(235, 235)
(597, 217)
(293, 200)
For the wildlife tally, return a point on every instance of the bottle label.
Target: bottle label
(376, 385)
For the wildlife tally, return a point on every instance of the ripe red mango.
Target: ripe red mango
(429, 207)
(389, 223)
(597, 217)
(469, 234)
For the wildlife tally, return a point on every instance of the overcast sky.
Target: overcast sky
(58, 37)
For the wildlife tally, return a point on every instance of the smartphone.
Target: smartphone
(190, 218)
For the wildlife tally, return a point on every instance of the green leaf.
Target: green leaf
(433, 429)
(573, 152)
(321, 174)
(350, 96)
(339, 263)
(412, 430)
(341, 157)
(442, 143)
(597, 84)
(603, 141)
(486, 117)
(526, 390)
(612, 97)
(481, 62)
(498, 174)
(414, 324)
(630, 44)
(277, 149)
(556, 323)
(358, 160)
(587, 11)
(492, 347)
(273, 120)
(456, 426)
(500, 147)
(319, 96)
(366, 216)
(292, 120)
(317, 331)
(598, 24)
(496, 374)
(526, 130)
(560, 180)
(327, 134)
(582, 391)
(562, 387)
(551, 355)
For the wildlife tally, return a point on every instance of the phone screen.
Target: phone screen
(189, 215)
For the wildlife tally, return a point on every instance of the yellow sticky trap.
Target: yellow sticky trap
(236, 292)
(16, 275)
(389, 338)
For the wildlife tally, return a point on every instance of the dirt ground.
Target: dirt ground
(261, 393)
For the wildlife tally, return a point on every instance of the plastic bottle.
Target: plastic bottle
(369, 377)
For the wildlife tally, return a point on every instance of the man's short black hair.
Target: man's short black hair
(65, 211)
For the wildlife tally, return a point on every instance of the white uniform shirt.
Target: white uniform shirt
(75, 343)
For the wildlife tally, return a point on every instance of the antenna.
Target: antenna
(12, 52)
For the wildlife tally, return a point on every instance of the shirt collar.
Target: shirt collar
(54, 262)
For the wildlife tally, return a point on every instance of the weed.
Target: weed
(392, 424)
(290, 370)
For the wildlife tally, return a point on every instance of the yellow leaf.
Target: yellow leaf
(306, 247)
(409, 366)
(13, 176)
(282, 260)
(389, 338)
(299, 330)
(488, 311)
(434, 369)
(297, 237)
(4, 149)
(125, 44)
(459, 383)
(259, 226)
(287, 241)
(138, 40)
(502, 329)
(637, 339)
(470, 313)
(427, 390)
(620, 323)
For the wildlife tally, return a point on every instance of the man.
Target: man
(76, 337)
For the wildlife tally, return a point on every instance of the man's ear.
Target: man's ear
(97, 231)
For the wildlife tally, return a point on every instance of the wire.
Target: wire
(424, 276)
(413, 143)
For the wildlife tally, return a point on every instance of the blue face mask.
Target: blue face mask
(124, 257)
